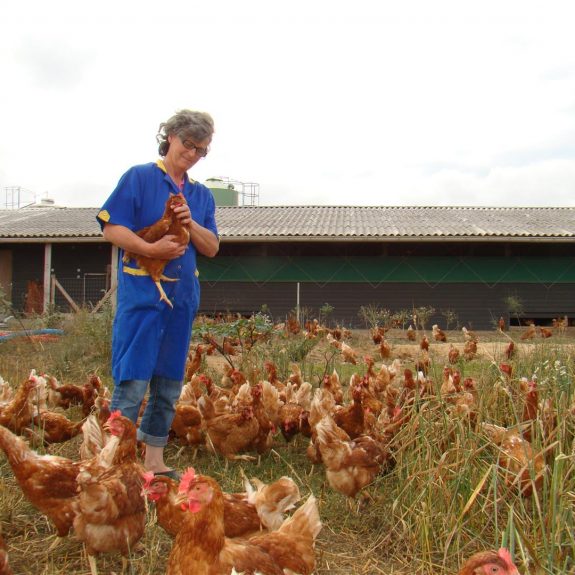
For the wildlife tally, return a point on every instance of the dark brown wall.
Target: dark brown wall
(477, 306)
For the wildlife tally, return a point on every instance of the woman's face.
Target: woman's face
(184, 154)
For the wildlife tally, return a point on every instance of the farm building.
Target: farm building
(467, 262)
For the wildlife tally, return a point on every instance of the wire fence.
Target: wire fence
(85, 291)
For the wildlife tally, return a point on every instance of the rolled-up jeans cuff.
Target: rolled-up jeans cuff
(151, 439)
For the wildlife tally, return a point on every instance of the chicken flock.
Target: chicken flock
(352, 429)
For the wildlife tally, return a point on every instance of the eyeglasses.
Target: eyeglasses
(190, 145)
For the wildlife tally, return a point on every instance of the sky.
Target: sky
(318, 102)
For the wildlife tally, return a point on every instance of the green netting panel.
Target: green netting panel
(375, 270)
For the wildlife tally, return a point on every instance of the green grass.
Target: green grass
(444, 498)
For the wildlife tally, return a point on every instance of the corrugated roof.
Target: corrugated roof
(336, 223)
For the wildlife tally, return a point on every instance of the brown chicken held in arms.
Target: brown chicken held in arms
(110, 512)
(167, 224)
(490, 563)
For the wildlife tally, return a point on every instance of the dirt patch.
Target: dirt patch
(491, 346)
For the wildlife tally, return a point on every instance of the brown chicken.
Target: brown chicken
(530, 332)
(453, 354)
(293, 414)
(193, 362)
(167, 224)
(18, 413)
(244, 513)
(377, 334)
(110, 513)
(506, 369)
(438, 333)
(201, 547)
(424, 343)
(350, 464)
(501, 324)
(468, 335)
(272, 500)
(93, 430)
(67, 394)
(292, 545)
(50, 482)
(509, 350)
(187, 424)
(384, 349)
(545, 332)
(490, 563)
(53, 427)
(470, 349)
(410, 333)
(522, 467)
(348, 354)
(332, 384)
(265, 437)
(292, 326)
(351, 418)
(229, 433)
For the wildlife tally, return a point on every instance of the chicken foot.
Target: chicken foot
(163, 296)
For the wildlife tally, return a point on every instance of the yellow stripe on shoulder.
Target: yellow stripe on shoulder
(104, 215)
(197, 273)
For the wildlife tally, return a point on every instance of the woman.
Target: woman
(150, 338)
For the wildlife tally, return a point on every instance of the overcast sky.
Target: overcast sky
(320, 102)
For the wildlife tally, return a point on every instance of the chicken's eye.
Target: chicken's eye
(494, 569)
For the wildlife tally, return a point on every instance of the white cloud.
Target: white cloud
(326, 102)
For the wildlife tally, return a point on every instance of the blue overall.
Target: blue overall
(150, 339)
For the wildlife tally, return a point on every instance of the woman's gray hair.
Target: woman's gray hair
(185, 124)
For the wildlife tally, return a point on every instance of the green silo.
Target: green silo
(224, 191)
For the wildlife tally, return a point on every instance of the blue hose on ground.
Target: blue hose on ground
(4, 336)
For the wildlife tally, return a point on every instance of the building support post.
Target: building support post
(47, 280)
(297, 302)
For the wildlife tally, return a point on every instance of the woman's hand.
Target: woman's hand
(167, 248)
(184, 214)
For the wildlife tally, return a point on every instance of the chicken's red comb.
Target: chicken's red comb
(187, 477)
(115, 415)
(505, 555)
(148, 478)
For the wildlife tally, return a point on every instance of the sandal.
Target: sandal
(171, 473)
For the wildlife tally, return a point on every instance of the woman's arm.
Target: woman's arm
(165, 248)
